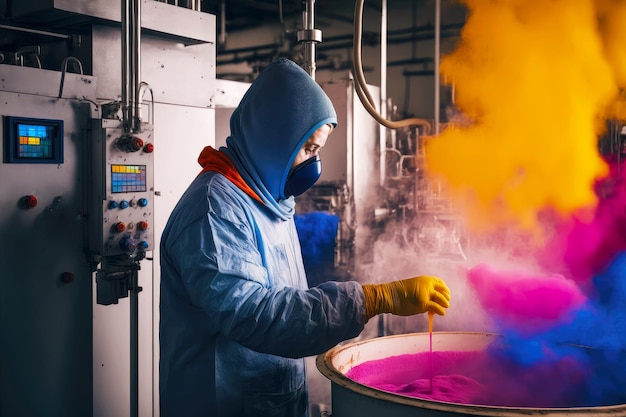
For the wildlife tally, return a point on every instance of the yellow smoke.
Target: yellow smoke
(537, 78)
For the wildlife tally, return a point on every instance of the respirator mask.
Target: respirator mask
(303, 176)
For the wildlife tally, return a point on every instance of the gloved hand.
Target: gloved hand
(407, 297)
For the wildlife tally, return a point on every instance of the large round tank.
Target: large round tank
(350, 398)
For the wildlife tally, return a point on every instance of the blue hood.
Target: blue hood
(278, 113)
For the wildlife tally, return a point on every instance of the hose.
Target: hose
(361, 84)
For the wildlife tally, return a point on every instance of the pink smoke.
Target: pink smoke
(523, 301)
(584, 245)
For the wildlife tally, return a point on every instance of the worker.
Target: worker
(237, 316)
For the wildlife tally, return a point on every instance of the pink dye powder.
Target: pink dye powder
(476, 377)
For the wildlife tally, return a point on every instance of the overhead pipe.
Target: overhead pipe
(131, 59)
(135, 68)
(360, 83)
(382, 129)
(126, 39)
(437, 60)
(383, 97)
(309, 36)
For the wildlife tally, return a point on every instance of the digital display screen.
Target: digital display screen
(128, 178)
(35, 141)
(29, 140)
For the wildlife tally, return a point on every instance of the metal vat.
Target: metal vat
(350, 398)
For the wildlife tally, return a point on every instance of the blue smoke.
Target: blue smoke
(595, 337)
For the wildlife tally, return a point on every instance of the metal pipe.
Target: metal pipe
(308, 21)
(136, 63)
(131, 59)
(66, 61)
(361, 84)
(134, 343)
(309, 36)
(143, 87)
(126, 85)
(437, 59)
(383, 95)
(35, 31)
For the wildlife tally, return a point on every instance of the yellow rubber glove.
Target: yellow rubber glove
(407, 297)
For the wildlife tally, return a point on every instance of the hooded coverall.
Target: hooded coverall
(237, 316)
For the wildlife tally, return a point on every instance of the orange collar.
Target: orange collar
(213, 160)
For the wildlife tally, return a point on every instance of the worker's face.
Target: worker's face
(313, 145)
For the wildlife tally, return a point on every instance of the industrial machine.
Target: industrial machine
(92, 165)
(45, 285)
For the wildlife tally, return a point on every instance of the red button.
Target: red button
(149, 148)
(31, 201)
(28, 202)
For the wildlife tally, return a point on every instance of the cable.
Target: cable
(361, 83)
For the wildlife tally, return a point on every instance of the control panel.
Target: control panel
(122, 190)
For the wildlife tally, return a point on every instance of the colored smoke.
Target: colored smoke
(524, 302)
(539, 82)
(537, 79)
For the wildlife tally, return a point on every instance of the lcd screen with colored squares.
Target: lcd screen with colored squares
(33, 141)
(128, 178)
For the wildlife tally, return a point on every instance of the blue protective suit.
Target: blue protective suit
(237, 317)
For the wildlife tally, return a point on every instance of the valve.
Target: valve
(130, 143)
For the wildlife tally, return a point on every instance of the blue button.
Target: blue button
(127, 244)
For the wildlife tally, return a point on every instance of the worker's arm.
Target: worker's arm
(224, 276)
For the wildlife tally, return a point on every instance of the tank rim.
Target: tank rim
(326, 367)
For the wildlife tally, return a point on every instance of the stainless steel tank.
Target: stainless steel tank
(350, 398)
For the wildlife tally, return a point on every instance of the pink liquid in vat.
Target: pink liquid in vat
(476, 377)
